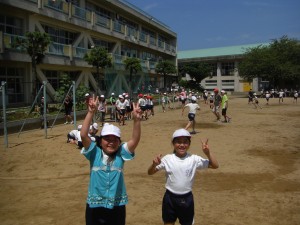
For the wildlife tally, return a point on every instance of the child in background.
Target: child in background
(193, 107)
(180, 168)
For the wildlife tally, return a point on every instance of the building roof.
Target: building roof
(216, 52)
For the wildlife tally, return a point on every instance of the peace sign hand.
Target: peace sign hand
(92, 103)
(205, 147)
(136, 112)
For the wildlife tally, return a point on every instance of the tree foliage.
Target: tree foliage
(133, 65)
(196, 70)
(165, 68)
(98, 57)
(278, 62)
(35, 43)
(64, 86)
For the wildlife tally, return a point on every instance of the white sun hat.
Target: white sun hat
(181, 133)
(95, 126)
(109, 129)
(194, 98)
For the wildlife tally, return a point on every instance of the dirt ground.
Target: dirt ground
(44, 181)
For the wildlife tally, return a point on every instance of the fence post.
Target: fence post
(3, 86)
(45, 107)
(74, 103)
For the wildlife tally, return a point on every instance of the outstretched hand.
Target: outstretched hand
(136, 112)
(92, 103)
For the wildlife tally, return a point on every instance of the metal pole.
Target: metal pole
(32, 107)
(45, 108)
(3, 86)
(74, 104)
(61, 107)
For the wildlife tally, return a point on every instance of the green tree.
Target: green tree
(278, 62)
(99, 58)
(165, 68)
(196, 70)
(64, 85)
(35, 44)
(133, 65)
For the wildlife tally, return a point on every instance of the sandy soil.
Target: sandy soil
(44, 181)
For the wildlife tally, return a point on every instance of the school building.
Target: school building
(224, 62)
(75, 27)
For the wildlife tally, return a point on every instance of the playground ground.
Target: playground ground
(44, 181)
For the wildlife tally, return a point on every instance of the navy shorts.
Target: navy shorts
(179, 207)
(100, 215)
(191, 116)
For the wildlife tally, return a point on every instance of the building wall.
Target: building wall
(75, 28)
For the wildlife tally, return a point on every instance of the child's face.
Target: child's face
(181, 146)
(110, 144)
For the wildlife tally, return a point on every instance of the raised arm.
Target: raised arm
(92, 108)
(213, 163)
(136, 131)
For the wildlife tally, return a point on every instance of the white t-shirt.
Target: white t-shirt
(193, 107)
(180, 172)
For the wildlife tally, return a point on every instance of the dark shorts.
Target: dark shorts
(143, 108)
(191, 116)
(224, 112)
(122, 112)
(100, 215)
(68, 111)
(178, 206)
(183, 101)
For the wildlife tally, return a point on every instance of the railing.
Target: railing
(117, 26)
(79, 52)
(86, 15)
(59, 49)
(102, 21)
(81, 13)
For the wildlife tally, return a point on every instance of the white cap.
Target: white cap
(112, 93)
(121, 96)
(79, 127)
(101, 96)
(222, 91)
(194, 98)
(109, 129)
(181, 133)
(87, 94)
(95, 126)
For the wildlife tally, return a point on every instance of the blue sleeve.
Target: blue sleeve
(90, 152)
(125, 153)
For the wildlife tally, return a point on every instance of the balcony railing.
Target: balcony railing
(72, 52)
(68, 8)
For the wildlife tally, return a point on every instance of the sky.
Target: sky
(201, 24)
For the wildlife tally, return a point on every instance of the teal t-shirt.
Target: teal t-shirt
(107, 187)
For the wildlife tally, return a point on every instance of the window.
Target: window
(11, 25)
(227, 69)
(59, 35)
(15, 83)
(214, 68)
